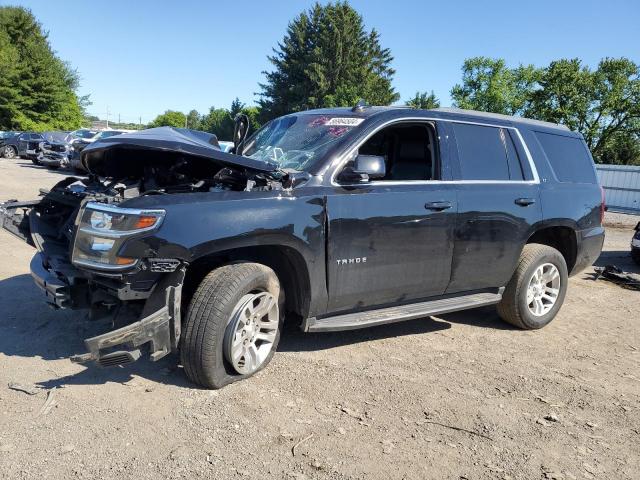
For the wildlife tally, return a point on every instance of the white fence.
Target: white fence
(621, 185)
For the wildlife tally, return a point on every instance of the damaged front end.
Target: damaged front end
(140, 298)
(81, 226)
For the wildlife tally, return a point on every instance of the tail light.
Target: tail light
(603, 205)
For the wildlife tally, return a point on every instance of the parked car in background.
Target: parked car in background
(5, 140)
(79, 144)
(54, 150)
(21, 144)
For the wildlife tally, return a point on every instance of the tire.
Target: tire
(9, 152)
(515, 308)
(35, 161)
(635, 255)
(211, 327)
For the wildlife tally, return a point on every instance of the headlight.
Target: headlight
(102, 229)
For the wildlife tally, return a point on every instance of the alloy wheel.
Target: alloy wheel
(543, 289)
(9, 152)
(251, 331)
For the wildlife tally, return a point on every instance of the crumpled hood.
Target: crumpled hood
(115, 156)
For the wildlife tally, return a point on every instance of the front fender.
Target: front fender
(194, 229)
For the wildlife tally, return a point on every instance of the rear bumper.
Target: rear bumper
(589, 243)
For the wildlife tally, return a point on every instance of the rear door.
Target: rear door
(498, 203)
(390, 241)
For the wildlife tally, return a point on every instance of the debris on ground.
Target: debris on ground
(48, 404)
(28, 389)
(617, 275)
(293, 449)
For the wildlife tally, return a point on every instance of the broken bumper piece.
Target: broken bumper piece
(153, 329)
(56, 291)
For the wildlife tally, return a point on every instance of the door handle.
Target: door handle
(437, 206)
(525, 202)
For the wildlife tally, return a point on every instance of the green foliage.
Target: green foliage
(169, 118)
(424, 101)
(489, 86)
(327, 59)
(602, 104)
(37, 89)
(623, 148)
(193, 120)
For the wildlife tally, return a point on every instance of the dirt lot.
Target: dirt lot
(458, 396)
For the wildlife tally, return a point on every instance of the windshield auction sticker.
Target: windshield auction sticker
(344, 122)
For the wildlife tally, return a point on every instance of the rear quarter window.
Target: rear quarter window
(568, 157)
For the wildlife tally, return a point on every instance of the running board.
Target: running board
(371, 318)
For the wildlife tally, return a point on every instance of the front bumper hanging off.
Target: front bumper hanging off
(159, 325)
(154, 328)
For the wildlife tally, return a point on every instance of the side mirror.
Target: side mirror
(365, 168)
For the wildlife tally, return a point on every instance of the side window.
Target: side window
(409, 150)
(568, 157)
(486, 153)
(23, 137)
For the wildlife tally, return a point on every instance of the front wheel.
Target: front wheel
(233, 324)
(535, 293)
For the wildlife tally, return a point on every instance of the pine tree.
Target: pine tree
(424, 101)
(37, 89)
(327, 59)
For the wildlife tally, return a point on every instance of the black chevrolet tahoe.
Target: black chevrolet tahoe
(336, 219)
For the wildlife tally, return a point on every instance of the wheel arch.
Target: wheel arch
(288, 264)
(560, 235)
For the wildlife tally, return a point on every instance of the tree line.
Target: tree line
(37, 89)
(328, 58)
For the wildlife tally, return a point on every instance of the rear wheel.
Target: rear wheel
(535, 293)
(9, 152)
(233, 324)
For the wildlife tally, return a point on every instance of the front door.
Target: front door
(391, 240)
(389, 244)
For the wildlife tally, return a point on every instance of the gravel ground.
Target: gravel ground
(457, 396)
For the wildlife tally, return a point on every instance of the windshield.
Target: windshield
(296, 141)
(84, 133)
(107, 134)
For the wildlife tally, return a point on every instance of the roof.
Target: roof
(499, 116)
(440, 112)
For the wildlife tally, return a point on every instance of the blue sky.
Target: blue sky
(139, 57)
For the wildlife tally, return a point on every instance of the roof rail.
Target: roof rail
(499, 116)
